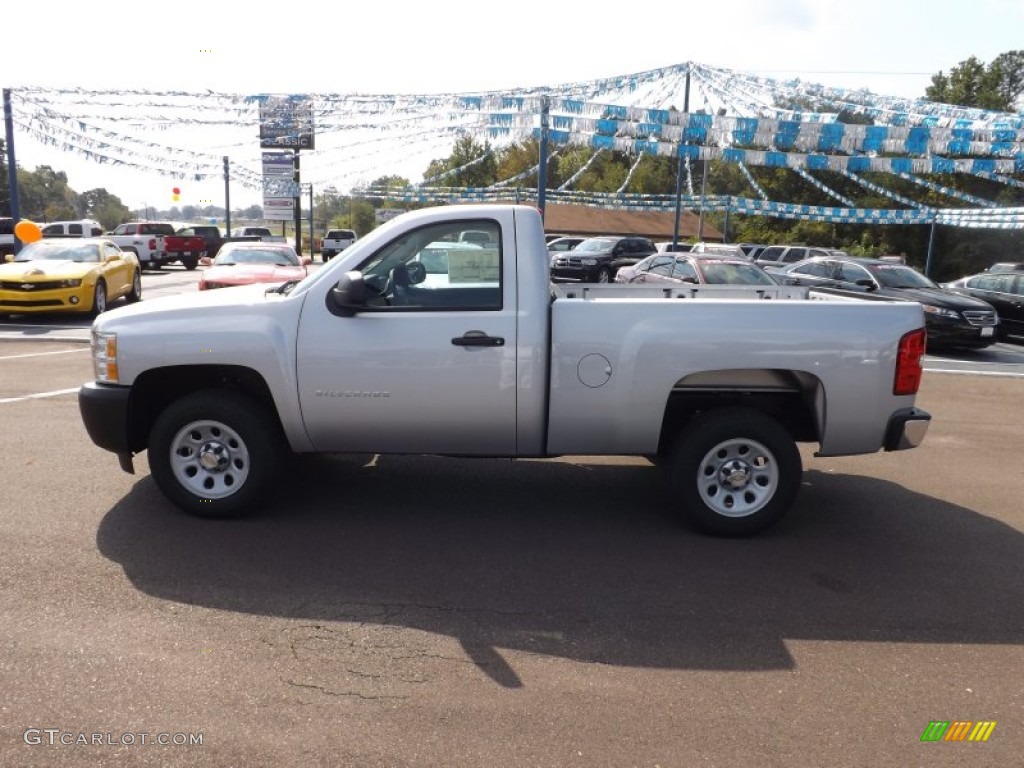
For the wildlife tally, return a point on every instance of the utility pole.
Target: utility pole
(298, 206)
(679, 166)
(311, 228)
(227, 196)
(542, 174)
(12, 166)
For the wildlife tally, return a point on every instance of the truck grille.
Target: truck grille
(981, 317)
(568, 261)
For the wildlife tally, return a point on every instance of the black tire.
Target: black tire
(604, 275)
(215, 454)
(744, 447)
(190, 262)
(99, 299)
(135, 292)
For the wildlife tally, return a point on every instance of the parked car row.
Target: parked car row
(951, 319)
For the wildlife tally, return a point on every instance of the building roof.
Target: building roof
(657, 225)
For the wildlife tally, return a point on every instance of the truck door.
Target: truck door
(429, 364)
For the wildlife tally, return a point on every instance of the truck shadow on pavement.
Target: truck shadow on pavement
(581, 562)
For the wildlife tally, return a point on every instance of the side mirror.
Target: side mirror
(865, 282)
(349, 295)
(205, 261)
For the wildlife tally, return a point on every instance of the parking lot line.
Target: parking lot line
(37, 395)
(975, 372)
(40, 354)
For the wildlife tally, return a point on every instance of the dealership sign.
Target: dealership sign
(278, 208)
(286, 122)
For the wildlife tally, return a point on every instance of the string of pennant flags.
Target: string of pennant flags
(824, 188)
(743, 118)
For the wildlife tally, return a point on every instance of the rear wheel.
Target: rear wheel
(735, 472)
(190, 262)
(215, 454)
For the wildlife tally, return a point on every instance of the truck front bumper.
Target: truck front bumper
(907, 428)
(104, 409)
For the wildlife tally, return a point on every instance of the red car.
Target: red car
(696, 268)
(246, 263)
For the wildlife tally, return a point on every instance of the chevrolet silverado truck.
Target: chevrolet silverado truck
(412, 342)
(156, 243)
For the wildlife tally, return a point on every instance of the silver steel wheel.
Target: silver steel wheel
(99, 298)
(604, 276)
(738, 477)
(209, 459)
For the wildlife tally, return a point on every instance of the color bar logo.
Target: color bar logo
(958, 730)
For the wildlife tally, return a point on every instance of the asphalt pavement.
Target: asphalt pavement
(429, 611)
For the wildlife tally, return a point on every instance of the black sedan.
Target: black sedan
(597, 259)
(1005, 292)
(952, 319)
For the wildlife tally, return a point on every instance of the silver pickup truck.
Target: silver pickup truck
(414, 341)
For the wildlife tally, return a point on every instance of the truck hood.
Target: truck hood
(203, 305)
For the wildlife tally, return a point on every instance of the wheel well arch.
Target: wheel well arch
(796, 399)
(157, 388)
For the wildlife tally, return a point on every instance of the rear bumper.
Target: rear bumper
(907, 428)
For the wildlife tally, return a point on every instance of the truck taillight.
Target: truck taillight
(152, 244)
(908, 363)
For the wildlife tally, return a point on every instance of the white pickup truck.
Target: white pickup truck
(414, 342)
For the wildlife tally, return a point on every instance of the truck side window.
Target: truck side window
(438, 268)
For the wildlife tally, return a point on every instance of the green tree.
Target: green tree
(477, 174)
(104, 207)
(43, 192)
(972, 83)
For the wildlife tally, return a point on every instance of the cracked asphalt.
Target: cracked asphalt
(427, 611)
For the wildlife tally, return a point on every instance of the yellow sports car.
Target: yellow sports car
(69, 275)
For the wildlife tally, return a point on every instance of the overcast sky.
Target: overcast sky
(448, 46)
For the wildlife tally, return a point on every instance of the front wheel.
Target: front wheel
(735, 472)
(135, 292)
(99, 298)
(214, 454)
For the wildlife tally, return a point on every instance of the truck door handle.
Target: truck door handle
(478, 339)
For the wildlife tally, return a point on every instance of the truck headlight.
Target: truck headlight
(588, 262)
(104, 357)
(941, 311)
